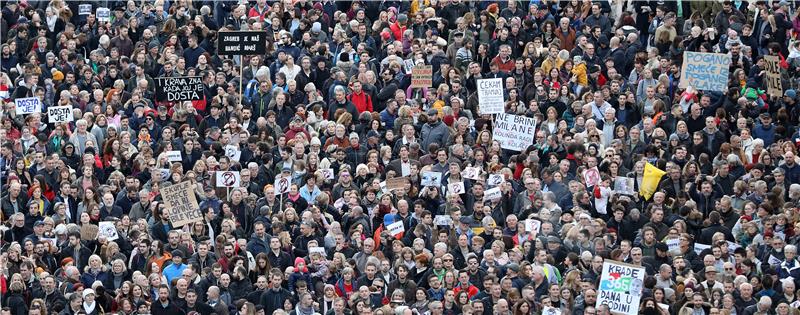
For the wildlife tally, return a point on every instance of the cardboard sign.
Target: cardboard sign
(774, 85)
(396, 228)
(514, 132)
(495, 179)
(108, 230)
(396, 183)
(181, 204)
(89, 232)
(282, 185)
(103, 14)
(317, 250)
(705, 71)
(422, 77)
(443, 220)
(431, 179)
(233, 152)
(230, 179)
(471, 173)
(624, 185)
(533, 226)
(492, 194)
(456, 188)
(239, 43)
(491, 97)
(84, 9)
(327, 173)
(28, 105)
(179, 89)
(591, 176)
(59, 114)
(620, 287)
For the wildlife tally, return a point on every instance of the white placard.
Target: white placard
(547, 310)
(591, 176)
(673, 244)
(233, 152)
(174, 156)
(620, 287)
(491, 96)
(28, 105)
(514, 132)
(165, 173)
(495, 179)
(108, 230)
(699, 248)
(772, 260)
(442, 220)
(408, 65)
(396, 228)
(492, 194)
(533, 226)
(624, 185)
(383, 187)
(84, 9)
(103, 14)
(431, 179)
(471, 173)
(59, 114)
(456, 188)
(282, 185)
(230, 179)
(327, 173)
(318, 250)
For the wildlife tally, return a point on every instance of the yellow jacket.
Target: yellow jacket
(581, 73)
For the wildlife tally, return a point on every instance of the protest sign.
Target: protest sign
(514, 132)
(699, 248)
(103, 14)
(431, 179)
(28, 105)
(396, 183)
(705, 71)
(396, 228)
(495, 179)
(239, 43)
(492, 194)
(84, 9)
(165, 173)
(491, 98)
(89, 232)
(177, 89)
(108, 230)
(547, 310)
(591, 176)
(621, 287)
(174, 156)
(233, 152)
(282, 185)
(317, 250)
(533, 226)
(774, 85)
(229, 179)
(327, 173)
(52, 240)
(673, 243)
(408, 65)
(181, 204)
(422, 77)
(59, 114)
(624, 185)
(471, 173)
(443, 220)
(456, 188)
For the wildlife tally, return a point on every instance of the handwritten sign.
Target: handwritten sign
(59, 114)
(705, 71)
(108, 230)
(620, 287)
(317, 250)
(174, 156)
(673, 244)
(422, 77)
(28, 105)
(396, 228)
(456, 188)
(514, 132)
(431, 178)
(699, 248)
(239, 43)
(181, 204)
(492, 194)
(396, 183)
(774, 85)
(229, 179)
(491, 97)
(178, 89)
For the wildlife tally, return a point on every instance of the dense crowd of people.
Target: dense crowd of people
(366, 226)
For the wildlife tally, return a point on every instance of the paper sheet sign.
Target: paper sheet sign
(621, 287)
(84, 9)
(624, 185)
(699, 248)
(673, 244)
(282, 185)
(174, 156)
(28, 105)
(108, 230)
(233, 152)
(103, 14)
(492, 194)
(471, 173)
(514, 132)
(705, 71)
(431, 179)
(456, 188)
(229, 179)
(591, 176)
(495, 179)
(396, 228)
(327, 173)
(59, 114)
(547, 310)
(317, 250)
(533, 226)
(491, 96)
(443, 220)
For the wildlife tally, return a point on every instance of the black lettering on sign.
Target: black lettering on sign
(179, 89)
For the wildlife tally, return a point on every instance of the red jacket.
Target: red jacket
(397, 30)
(362, 101)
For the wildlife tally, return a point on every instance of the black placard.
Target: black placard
(239, 43)
(179, 89)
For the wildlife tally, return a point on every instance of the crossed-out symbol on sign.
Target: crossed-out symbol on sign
(283, 184)
(228, 179)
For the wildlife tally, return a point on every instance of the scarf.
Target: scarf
(303, 311)
(51, 22)
(89, 308)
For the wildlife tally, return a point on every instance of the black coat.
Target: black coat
(172, 309)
